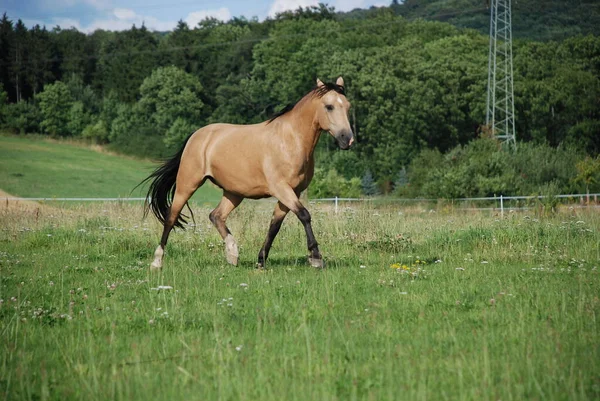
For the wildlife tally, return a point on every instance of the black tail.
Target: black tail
(162, 189)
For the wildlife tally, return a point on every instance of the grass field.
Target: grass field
(474, 308)
(413, 305)
(47, 169)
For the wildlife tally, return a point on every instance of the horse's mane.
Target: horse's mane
(318, 91)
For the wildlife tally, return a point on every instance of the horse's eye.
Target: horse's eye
(329, 107)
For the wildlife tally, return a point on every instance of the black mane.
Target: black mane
(319, 91)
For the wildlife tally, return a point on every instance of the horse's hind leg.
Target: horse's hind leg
(278, 215)
(289, 198)
(182, 195)
(218, 218)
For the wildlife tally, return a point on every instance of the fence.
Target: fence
(586, 200)
(495, 202)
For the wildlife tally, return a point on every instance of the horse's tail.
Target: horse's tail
(162, 189)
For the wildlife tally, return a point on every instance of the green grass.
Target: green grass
(509, 311)
(37, 168)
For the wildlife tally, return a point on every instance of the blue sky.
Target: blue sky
(161, 15)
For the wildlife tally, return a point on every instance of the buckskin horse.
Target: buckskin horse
(274, 158)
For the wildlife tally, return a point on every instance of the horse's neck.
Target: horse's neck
(306, 127)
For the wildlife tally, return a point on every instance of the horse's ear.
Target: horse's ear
(340, 81)
(320, 83)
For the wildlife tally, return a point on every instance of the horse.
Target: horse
(274, 158)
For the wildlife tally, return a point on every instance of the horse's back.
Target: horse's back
(231, 155)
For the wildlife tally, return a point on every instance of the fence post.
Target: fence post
(501, 206)
(336, 204)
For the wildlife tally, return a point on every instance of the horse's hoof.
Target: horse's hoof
(231, 250)
(158, 258)
(316, 263)
(260, 266)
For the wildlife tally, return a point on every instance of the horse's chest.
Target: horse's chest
(302, 176)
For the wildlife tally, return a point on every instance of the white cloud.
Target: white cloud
(193, 18)
(127, 20)
(124, 13)
(124, 18)
(279, 6)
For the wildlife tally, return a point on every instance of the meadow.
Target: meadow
(414, 304)
(50, 169)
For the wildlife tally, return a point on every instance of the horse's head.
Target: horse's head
(332, 112)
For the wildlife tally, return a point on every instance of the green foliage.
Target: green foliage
(178, 133)
(368, 184)
(484, 168)
(330, 183)
(55, 104)
(415, 76)
(78, 119)
(133, 133)
(3, 105)
(171, 100)
(22, 117)
(125, 60)
(588, 172)
(96, 132)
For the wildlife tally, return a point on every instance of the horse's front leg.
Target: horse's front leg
(289, 198)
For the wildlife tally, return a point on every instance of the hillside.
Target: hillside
(37, 168)
(532, 19)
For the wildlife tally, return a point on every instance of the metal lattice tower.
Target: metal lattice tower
(500, 116)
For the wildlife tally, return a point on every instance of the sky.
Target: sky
(159, 15)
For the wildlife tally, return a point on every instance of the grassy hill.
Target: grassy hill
(38, 168)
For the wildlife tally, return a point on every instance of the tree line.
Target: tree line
(417, 87)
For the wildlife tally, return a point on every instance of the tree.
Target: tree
(38, 69)
(588, 171)
(18, 56)
(126, 59)
(6, 45)
(170, 98)
(55, 104)
(368, 184)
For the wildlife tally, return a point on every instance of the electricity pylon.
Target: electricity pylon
(500, 116)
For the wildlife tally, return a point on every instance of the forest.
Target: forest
(415, 73)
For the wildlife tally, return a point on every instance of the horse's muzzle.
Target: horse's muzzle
(345, 140)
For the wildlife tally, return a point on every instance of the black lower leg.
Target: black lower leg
(311, 241)
(273, 230)
(165, 236)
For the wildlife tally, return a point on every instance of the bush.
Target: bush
(330, 183)
(97, 133)
(368, 184)
(177, 133)
(55, 104)
(78, 119)
(484, 168)
(133, 134)
(22, 117)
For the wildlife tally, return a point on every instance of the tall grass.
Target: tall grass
(500, 308)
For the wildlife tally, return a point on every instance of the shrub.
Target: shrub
(22, 117)
(330, 183)
(55, 104)
(97, 133)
